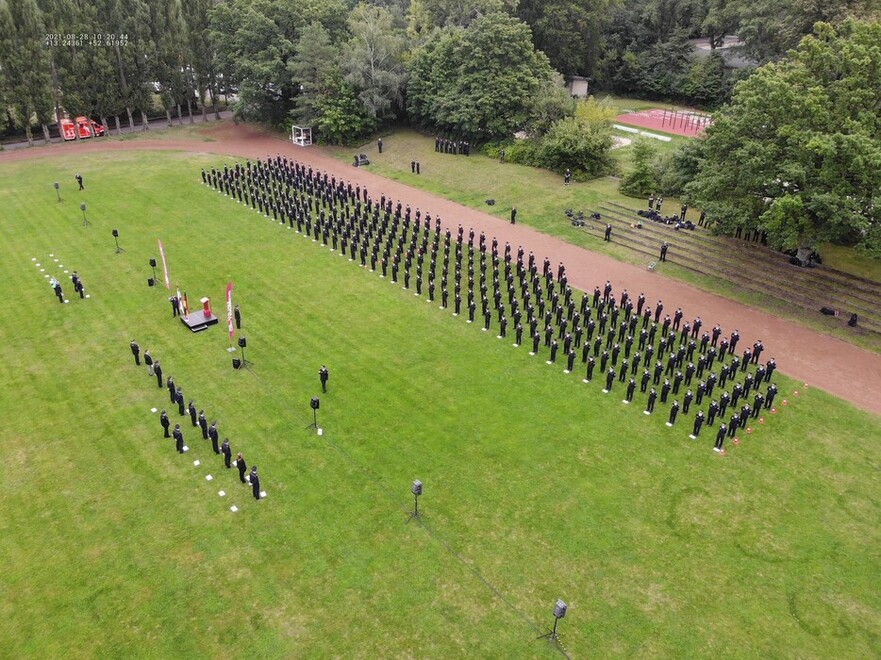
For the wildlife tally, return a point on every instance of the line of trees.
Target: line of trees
(463, 66)
(105, 59)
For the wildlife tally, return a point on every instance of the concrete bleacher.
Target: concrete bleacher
(748, 266)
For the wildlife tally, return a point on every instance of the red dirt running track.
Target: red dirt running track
(847, 371)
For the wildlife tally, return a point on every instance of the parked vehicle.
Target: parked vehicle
(81, 127)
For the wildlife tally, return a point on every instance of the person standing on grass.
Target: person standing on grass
(136, 351)
(255, 483)
(514, 215)
(242, 467)
(227, 453)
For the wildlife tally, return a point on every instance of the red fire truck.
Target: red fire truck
(82, 127)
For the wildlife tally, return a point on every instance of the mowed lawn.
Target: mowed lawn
(537, 486)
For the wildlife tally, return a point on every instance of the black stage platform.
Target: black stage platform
(197, 321)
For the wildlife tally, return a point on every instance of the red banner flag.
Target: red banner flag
(229, 321)
(164, 266)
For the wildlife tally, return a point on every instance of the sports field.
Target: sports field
(537, 486)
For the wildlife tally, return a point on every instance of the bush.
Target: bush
(643, 178)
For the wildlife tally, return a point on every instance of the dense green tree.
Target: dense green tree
(428, 14)
(579, 145)
(769, 28)
(373, 60)
(569, 32)
(202, 60)
(642, 179)
(550, 104)
(798, 150)
(24, 55)
(256, 41)
(478, 82)
(315, 72)
(342, 118)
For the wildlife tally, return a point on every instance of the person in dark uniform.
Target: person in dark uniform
(713, 411)
(171, 389)
(193, 414)
(212, 434)
(148, 360)
(79, 180)
(674, 410)
(631, 388)
(175, 305)
(769, 399)
(178, 439)
(203, 424)
(255, 480)
(610, 379)
(227, 453)
(59, 292)
(664, 251)
(650, 405)
(238, 316)
(554, 347)
(379, 145)
(514, 215)
(136, 351)
(686, 403)
(720, 437)
(157, 369)
(733, 424)
(698, 423)
(242, 466)
(323, 376)
(607, 235)
(163, 419)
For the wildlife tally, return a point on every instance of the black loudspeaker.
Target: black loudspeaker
(115, 233)
(236, 363)
(559, 609)
(315, 403)
(152, 263)
(150, 281)
(416, 488)
(243, 342)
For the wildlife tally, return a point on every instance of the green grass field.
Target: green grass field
(537, 486)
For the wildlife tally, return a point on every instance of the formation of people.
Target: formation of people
(197, 418)
(447, 146)
(78, 287)
(619, 339)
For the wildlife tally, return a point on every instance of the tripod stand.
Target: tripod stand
(86, 222)
(245, 361)
(415, 514)
(551, 635)
(115, 238)
(314, 424)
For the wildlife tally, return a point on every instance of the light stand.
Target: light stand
(314, 404)
(86, 222)
(57, 191)
(559, 613)
(152, 280)
(243, 343)
(416, 489)
(115, 236)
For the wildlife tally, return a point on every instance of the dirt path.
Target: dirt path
(842, 369)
